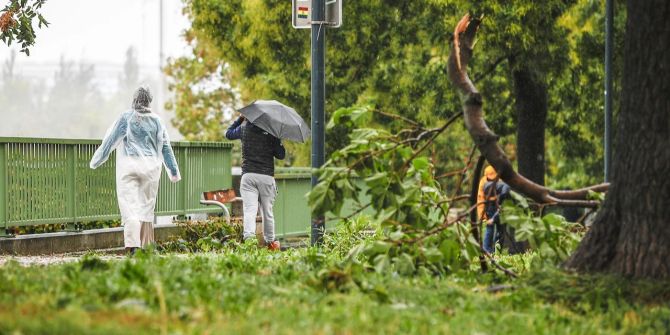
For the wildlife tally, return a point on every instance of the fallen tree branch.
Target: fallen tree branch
(497, 265)
(354, 213)
(451, 173)
(486, 140)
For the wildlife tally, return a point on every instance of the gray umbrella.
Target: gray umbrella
(277, 119)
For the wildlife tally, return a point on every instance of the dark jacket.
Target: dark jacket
(496, 192)
(259, 149)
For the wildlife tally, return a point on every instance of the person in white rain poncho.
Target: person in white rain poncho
(144, 147)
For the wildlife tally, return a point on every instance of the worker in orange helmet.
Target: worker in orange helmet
(491, 193)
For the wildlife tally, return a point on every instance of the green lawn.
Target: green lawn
(302, 291)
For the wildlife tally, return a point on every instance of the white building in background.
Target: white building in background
(97, 33)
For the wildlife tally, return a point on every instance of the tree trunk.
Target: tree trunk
(530, 93)
(631, 235)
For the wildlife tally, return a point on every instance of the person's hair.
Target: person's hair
(142, 99)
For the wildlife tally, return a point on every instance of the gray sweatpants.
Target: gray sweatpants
(258, 189)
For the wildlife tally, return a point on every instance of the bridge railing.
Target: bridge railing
(44, 181)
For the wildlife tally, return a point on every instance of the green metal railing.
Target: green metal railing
(49, 181)
(291, 212)
(45, 181)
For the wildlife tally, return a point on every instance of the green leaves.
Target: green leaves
(451, 251)
(381, 263)
(551, 235)
(321, 198)
(420, 163)
(378, 180)
(210, 236)
(16, 23)
(404, 264)
(348, 116)
(377, 247)
(600, 196)
(391, 176)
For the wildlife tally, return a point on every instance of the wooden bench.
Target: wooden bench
(220, 198)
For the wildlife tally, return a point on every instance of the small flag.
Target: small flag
(303, 12)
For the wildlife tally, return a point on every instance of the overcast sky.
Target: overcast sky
(100, 31)
(97, 33)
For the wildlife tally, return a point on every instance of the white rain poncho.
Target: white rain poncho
(144, 147)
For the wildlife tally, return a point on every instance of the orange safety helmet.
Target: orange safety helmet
(490, 173)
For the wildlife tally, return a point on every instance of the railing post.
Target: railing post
(183, 184)
(71, 188)
(3, 190)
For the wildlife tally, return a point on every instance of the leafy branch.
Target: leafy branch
(16, 23)
(391, 176)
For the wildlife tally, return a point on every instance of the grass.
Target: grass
(303, 291)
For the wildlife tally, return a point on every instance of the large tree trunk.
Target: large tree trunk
(530, 94)
(631, 235)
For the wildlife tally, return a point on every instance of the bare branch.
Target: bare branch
(491, 68)
(362, 208)
(400, 117)
(436, 132)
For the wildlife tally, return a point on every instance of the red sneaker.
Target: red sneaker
(274, 246)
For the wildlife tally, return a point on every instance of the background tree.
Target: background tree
(385, 49)
(18, 96)
(201, 84)
(74, 105)
(77, 100)
(16, 22)
(541, 79)
(392, 55)
(129, 79)
(631, 233)
(576, 106)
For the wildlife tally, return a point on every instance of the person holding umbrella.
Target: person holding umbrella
(260, 128)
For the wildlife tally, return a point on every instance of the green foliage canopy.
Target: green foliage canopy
(392, 55)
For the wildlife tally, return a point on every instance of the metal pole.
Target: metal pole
(160, 34)
(318, 104)
(161, 56)
(609, 42)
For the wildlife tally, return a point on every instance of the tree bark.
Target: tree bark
(631, 235)
(530, 94)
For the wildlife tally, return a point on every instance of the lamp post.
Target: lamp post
(609, 41)
(318, 104)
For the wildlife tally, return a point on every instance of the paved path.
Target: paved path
(108, 254)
